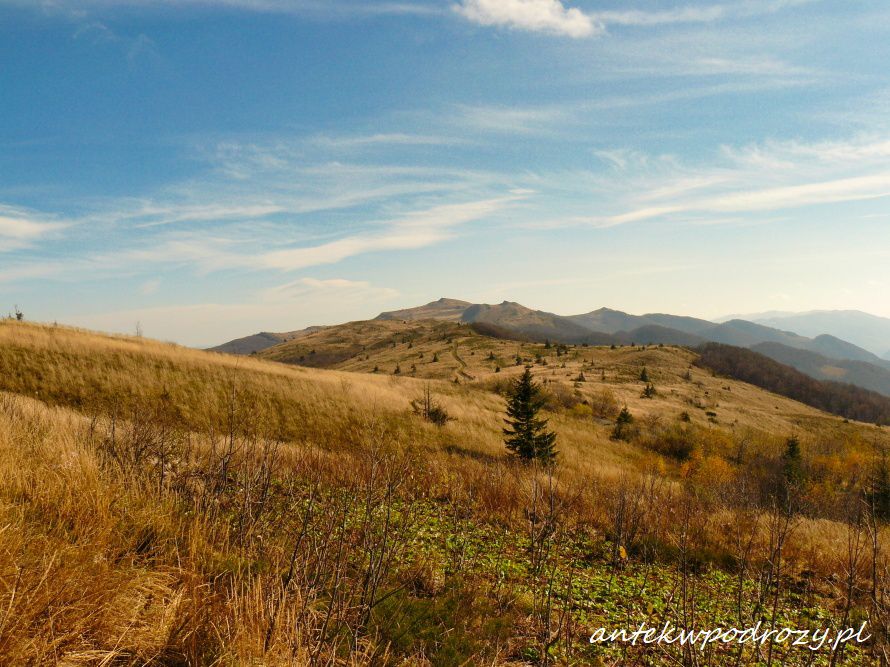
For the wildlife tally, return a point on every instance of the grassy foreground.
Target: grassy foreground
(165, 506)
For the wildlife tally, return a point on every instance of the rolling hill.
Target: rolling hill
(175, 506)
(600, 327)
(859, 373)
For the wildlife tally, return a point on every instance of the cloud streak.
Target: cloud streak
(20, 228)
(768, 178)
(415, 231)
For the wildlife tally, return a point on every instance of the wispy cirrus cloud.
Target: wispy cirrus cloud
(417, 230)
(344, 8)
(694, 13)
(20, 227)
(746, 181)
(340, 288)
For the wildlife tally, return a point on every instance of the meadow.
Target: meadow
(166, 506)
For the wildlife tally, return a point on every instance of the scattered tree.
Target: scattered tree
(792, 469)
(526, 434)
(622, 425)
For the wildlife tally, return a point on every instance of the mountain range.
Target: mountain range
(863, 329)
(818, 353)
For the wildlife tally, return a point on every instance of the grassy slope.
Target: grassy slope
(74, 549)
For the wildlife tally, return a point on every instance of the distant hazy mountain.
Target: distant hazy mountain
(534, 324)
(867, 331)
(860, 373)
(613, 321)
(261, 341)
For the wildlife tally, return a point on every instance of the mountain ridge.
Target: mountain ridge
(606, 326)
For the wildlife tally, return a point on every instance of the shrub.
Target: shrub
(429, 409)
(605, 405)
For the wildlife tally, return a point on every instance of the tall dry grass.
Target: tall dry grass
(165, 506)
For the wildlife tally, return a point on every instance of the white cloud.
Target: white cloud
(770, 177)
(20, 228)
(349, 142)
(342, 8)
(549, 16)
(336, 288)
(695, 14)
(414, 231)
(148, 213)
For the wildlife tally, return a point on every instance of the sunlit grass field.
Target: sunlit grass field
(162, 505)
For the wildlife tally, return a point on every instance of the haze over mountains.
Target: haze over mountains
(867, 331)
(822, 354)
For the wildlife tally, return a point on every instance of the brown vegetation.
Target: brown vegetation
(167, 506)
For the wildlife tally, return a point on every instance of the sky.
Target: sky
(213, 168)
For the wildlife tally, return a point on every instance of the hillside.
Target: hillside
(261, 341)
(859, 373)
(182, 507)
(835, 397)
(599, 327)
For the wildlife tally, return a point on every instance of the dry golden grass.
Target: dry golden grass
(108, 558)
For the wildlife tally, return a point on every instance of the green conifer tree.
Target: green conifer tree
(526, 434)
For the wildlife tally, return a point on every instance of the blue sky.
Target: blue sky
(217, 167)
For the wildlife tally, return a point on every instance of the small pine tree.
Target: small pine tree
(644, 375)
(398, 370)
(622, 424)
(648, 391)
(526, 434)
(792, 469)
(547, 344)
(435, 357)
(19, 315)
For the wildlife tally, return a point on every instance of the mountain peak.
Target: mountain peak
(441, 309)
